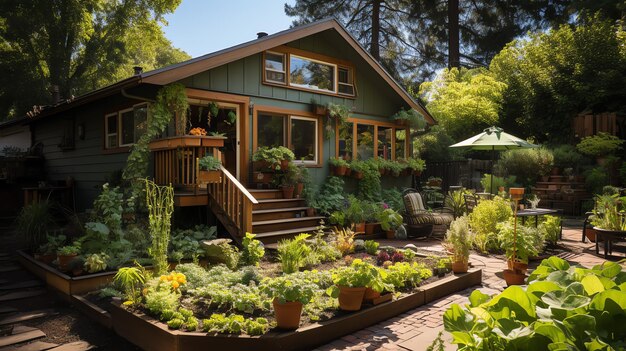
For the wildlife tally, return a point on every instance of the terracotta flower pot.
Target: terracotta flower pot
(359, 227)
(64, 261)
(519, 266)
(298, 191)
(513, 278)
(390, 234)
(370, 294)
(288, 191)
(47, 258)
(284, 164)
(357, 175)
(460, 266)
(370, 228)
(310, 212)
(340, 170)
(350, 299)
(287, 314)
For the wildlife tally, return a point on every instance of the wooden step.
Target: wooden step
(74, 346)
(261, 194)
(275, 236)
(33, 346)
(16, 338)
(21, 285)
(26, 316)
(278, 213)
(283, 224)
(268, 204)
(17, 295)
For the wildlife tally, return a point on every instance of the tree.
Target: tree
(553, 76)
(463, 101)
(76, 45)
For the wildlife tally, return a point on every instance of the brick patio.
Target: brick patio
(416, 329)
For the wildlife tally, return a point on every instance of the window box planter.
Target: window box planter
(186, 140)
(205, 177)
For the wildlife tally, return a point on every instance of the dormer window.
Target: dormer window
(302, 70)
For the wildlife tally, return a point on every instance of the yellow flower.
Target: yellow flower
(175, 284)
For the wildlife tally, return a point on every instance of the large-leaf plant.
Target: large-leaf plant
(563, 308)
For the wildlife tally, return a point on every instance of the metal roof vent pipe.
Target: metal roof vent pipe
(260, 35)
(138, 70)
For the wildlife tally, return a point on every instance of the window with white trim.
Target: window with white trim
(125, 127)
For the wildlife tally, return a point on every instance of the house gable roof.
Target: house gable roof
(169, 74)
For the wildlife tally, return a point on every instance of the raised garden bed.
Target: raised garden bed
(150, 334)
(61, 282)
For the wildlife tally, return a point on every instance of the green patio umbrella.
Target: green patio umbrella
(494, 138)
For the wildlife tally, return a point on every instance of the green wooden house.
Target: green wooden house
(266, 90)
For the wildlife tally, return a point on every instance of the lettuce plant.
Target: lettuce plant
(563, 308)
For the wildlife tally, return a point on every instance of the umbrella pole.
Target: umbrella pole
(493, 158)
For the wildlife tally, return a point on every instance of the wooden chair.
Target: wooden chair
(419, 220)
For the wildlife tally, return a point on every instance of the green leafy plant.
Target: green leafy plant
(344, 240)
(525, 164)
(610, 212)
(371, 247)
(416, 164)
(289, 288)
(562, 308)
(33, 222)
(550, 227)
(69, 250)
(235, 324)
(129, 280)
(108, 207)
(338, 162)
(370, 185)
(160, 203)
(53, 243)
(292, 253)
(455, 201)
(601, 144)
(566, 155)
(458, 239)
(358, 274)
(209, 163)
(415, 119)
(498, 182)
(526, 242)
(389, 219)
(595, 179)
(330, 197)
(185, 244)
(96, 262)
(404, 274)
(484, 220)
(253, 250)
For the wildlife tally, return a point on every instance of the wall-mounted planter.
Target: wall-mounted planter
(186, 140)
(149, 334)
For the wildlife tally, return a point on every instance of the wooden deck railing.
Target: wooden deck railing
(232, 204)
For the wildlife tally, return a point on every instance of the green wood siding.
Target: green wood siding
(86, 163)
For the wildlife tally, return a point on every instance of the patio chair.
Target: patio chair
(419, 220)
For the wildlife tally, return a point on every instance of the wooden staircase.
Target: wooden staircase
(275, 218)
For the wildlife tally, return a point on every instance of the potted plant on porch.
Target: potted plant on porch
(339, 166)
(208, 170)
(66, 254)
(609, 215)
(352, 281)
(390, 220)
(458, 241)
(416, 165)
(289, 180)
(290, 293)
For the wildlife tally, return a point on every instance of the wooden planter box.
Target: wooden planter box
(206, 177)
(150, 334)
(62, 282)
(186, 140)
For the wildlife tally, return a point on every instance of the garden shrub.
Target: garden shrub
(595, 179)
(528, 243)
(185, 243)
(525, 164)
(293, 253)
(330, 197)
(562, 308)
(252, 252)
(235, 324)
(403, 274)
(567, 156)
(484, 220)
(393, 198)
(550, 227)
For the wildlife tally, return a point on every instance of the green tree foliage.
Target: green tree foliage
(76, 45)
(553, 76)
(464, 101)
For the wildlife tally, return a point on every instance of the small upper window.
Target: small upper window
(124, 128)
(111, 128)
(309, 74)
(345, 81)
(275, 68)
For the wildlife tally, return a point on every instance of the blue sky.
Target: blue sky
(202, 26)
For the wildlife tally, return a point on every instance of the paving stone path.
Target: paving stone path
(416, 329)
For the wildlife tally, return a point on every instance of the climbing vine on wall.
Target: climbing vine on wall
(171, 100)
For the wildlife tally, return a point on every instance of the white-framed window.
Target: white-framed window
(125, 127)
(275, 67)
